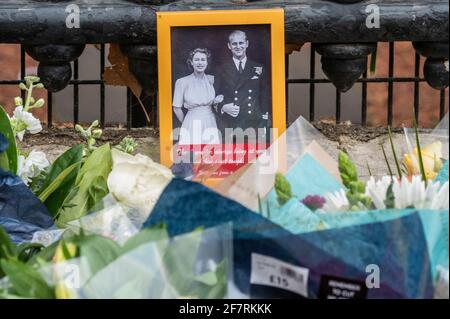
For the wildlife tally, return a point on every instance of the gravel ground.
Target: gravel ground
(361, 143)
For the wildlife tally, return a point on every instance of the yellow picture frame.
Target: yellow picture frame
(168, 20)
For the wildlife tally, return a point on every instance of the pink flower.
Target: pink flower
(314, 202)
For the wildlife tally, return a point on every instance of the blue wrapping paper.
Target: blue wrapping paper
(443, 174)
(18, 205)
(307, 177)
(18, 231)
(397, 246)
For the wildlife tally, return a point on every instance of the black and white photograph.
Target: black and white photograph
(221, 80)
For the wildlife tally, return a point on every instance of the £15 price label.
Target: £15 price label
(269, 271)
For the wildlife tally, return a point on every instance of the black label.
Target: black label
(341, 288)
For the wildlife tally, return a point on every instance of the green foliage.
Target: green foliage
(11, 252)
(26, 282)
(72, 156)
(89, 186)
(282, 189)
(11, 154)
(178, 259)
(355, 188)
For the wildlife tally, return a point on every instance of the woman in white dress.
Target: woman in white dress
(196, 93)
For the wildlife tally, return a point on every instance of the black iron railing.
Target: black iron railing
(336, 28)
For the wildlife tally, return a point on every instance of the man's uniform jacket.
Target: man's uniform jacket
(248, 90)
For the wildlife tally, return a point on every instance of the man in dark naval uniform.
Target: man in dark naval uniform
(245, 86)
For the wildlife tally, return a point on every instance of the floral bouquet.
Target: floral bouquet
(147, 265)
(309, 196)
(68, 227)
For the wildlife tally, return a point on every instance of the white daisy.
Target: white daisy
(336, 202)
(407, 194)
(377, 190)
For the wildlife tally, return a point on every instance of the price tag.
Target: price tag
(272, 272)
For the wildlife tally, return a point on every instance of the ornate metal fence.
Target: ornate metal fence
(343, 32)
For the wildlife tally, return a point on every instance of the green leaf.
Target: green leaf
(58, 181)
(99, 251)
(55, 201)
(27, 250)
(282, 189)
(208, 278)
(211, 285)
(66, 160)
(26, 281)
(7, 247)
(97, 190)
(6, 129)
(179, 261)
(145, 236)
(79, 201)
(4, 162)
(38, 181)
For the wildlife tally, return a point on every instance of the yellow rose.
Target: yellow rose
(59, 253)
(431, 155)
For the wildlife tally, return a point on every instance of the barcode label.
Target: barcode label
(272, 272)
(288, 272)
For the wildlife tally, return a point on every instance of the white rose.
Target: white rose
(31, 166)
(137, 181)
(26, 121)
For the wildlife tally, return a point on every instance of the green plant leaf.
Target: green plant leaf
(55, 201)
(66, 160)
(27, 250)
(179, 261)
(7, 247)
(26, 281)
(97, 190)
(282, 189)
(145, 236)
(57, 182)
(99, 251)
(38, 181)
(4, 161)
(208, 278)
(6, 129)
(211, 285)
(79, 200)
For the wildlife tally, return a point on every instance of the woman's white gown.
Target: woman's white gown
(196, 95)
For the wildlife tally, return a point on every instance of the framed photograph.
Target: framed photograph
(221, 89)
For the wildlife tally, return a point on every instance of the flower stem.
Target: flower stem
(28, 100)
(399, 171)
(368, 169)
(419, 151)
(386, 160)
